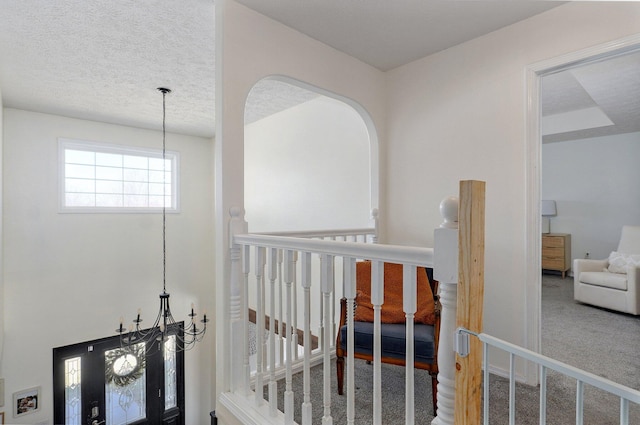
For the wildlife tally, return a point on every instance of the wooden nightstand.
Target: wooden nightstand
(556, 252)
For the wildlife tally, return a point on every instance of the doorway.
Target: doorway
(535, 75)
(100, 382)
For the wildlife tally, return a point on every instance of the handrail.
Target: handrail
(322, 233)
(571, 371)
(390, 253)
(582, 377)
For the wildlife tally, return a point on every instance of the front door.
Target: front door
(100, 383)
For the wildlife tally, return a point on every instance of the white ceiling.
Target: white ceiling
(103, 60)
(387, 34)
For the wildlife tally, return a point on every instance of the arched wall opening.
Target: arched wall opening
(310, 159)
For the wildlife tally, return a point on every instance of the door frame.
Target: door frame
(534, 73)
(175, 415)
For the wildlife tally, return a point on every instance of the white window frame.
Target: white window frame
(173, 156)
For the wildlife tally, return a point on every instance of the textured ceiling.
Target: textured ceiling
(270, 96)
(610, 86)
(103, 60)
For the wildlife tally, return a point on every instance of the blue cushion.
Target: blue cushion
(393, 340)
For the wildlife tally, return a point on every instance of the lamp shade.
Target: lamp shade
(548, 208)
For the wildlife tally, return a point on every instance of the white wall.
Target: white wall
(2, 298)
(69, 277)
(595, 185)
(460, 114)
(308, 167)
(250, 47)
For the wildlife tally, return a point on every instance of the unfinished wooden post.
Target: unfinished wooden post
(468, 396)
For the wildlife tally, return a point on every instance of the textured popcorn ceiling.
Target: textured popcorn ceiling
(270, 96)
(612, 86)
(103, 60)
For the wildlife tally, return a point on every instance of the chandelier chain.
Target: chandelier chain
(164, 195)
(187, 335)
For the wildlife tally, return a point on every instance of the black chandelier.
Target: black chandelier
(187, 333)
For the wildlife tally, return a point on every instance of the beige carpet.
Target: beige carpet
(599, 341)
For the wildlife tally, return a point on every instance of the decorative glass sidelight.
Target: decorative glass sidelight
(72, 391)
(170, 374)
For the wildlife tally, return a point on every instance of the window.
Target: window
(99, 177)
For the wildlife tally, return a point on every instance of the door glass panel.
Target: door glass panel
(72, 390)
(125, 384)
(170, 381)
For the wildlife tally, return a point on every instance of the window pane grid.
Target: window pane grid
(95, 179)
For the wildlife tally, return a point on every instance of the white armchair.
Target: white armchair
(613, 283)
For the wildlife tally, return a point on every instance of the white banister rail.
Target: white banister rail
(625, 394)
(267, 270)
(420, 257)
(269, 273)
(334, 234)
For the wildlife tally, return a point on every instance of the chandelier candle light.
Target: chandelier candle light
(187, 334)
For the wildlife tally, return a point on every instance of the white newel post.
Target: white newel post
(237, 319)
(445, 271)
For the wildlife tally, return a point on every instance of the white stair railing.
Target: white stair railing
(625, 394)
(260, 276)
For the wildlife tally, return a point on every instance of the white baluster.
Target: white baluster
(237, 225)
(375, 216)
(377, 299)
(332, 337)
(289, 272)
(246, 268)
(305, 276)
(445, 271)
(409, 296)
(281, 333)
(350, 294)
(294, 322)
(321, 311)
(326, 279)
(273, 384)
(260, 343)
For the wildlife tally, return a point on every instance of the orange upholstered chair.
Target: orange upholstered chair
(393, 333)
